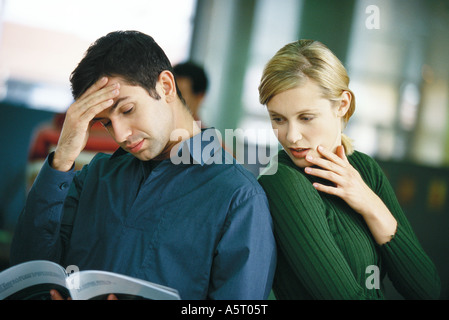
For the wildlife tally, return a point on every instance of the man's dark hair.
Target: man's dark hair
(131, 55)
(195, 73)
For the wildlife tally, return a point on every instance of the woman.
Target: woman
(338, 225)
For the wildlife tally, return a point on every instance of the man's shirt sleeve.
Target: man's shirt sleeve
(245, 258)
(37, 234)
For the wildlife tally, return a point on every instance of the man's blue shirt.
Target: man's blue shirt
(197, 222)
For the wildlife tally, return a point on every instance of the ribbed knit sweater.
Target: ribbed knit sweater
(325, 249)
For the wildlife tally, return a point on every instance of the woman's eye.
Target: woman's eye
(276, 119)
(306, 118)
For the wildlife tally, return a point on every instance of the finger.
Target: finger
(329, 155)
(96, 103)
(55, 295)
(327, 189)
(112, 297)
(104, 94)
(90, 113)
(325, 174)
(95, 87)
(102, 98)
(326, 164)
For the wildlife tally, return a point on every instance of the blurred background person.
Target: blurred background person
(193, 83)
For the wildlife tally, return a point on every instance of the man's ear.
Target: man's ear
(345, 103)
(167, 82)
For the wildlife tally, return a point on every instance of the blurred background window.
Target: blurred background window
(42, 41)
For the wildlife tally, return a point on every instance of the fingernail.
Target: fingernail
(308, 170)
(309, 157)
(320, 148)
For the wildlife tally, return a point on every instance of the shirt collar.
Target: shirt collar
(201, 147)
(117, 153)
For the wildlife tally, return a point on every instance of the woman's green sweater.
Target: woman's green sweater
(325, 249)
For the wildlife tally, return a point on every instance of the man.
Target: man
(192, 81)
(199, 226)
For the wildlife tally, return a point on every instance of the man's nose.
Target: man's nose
(121, 131)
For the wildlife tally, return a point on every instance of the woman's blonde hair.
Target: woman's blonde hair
(298, 61)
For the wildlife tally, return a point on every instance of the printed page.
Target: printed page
(92, 285)
(32, 280)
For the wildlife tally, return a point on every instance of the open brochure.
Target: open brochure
(33, 280)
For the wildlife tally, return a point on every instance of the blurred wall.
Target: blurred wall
(17, 126)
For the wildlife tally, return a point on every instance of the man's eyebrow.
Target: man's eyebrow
(114, 106)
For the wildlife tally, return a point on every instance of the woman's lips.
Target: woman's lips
(299, 153)
(136, 147)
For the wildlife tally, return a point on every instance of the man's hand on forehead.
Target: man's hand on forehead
(79, 119)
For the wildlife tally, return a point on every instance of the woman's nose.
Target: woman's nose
(293, 133)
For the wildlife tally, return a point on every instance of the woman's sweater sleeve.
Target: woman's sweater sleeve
(303, 235)
(409, 268)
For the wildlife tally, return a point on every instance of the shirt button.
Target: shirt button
(63, 186)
